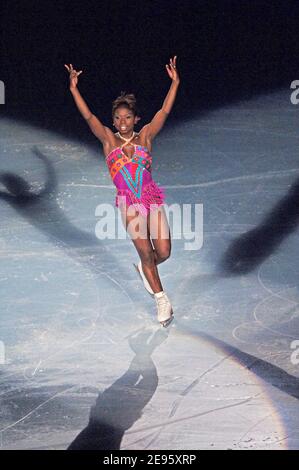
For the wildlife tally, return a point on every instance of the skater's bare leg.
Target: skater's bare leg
(143, 246)
(160, 234)
(160, 238)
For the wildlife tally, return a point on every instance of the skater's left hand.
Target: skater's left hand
(172, 70)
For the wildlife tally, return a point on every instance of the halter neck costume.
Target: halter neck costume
(133, 179)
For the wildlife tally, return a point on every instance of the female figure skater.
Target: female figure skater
(128, 157)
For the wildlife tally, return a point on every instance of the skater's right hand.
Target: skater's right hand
(73, 75)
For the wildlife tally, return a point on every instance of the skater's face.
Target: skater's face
(124, 120)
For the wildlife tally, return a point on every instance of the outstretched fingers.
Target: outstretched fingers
(171, 68)
(70, 69)
(173, 62)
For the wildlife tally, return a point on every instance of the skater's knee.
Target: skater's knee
(164, 253)
(147, 258)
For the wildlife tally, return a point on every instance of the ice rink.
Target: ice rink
(84, 363)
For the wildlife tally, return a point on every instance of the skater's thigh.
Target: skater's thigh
(134, 223)
(159, 229)
(137, 228)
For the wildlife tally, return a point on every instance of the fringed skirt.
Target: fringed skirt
(151, 198)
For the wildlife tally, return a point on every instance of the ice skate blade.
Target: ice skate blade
(136, 267)
(166, 323)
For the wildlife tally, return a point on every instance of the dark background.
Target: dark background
(227, 50)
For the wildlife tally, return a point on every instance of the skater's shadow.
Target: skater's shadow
(270, 373)
(252, 248)
(120, 405)
(41, 209)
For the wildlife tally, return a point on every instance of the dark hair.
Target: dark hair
(127, 101)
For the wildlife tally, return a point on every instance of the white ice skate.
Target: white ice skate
(143, 278)
(165, 312)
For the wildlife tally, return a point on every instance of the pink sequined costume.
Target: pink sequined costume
(133, 179)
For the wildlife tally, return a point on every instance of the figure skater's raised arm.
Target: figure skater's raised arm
(103, 133)
(160, 117)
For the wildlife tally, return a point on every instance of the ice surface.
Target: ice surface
(86, 364)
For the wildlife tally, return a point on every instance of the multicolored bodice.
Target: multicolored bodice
(131, 168)
(132, 178)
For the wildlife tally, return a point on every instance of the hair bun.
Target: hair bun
(126, 99)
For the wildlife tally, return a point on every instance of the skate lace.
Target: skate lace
(163, 304)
